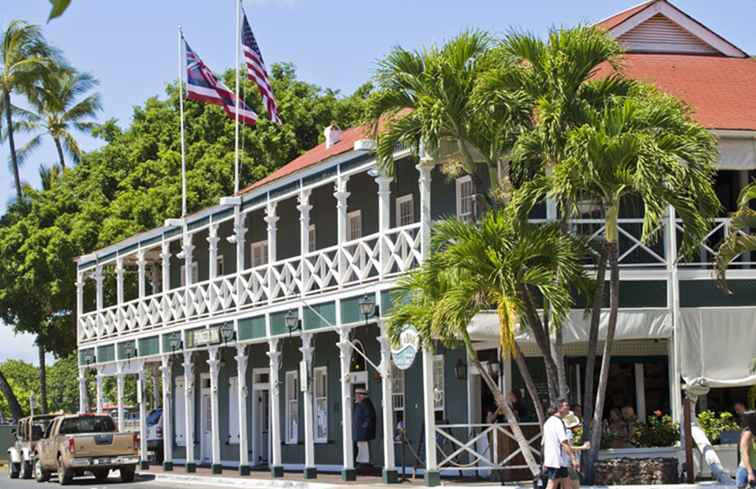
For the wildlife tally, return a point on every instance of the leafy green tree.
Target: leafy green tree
(739, 240)
(24, 57)
(23, 378)
(644, 147)
(494, 264)
(57, 111)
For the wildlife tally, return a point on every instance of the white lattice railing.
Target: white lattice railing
(354, 263)
(705, 255)
(484, 446)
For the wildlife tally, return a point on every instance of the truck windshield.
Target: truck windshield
(87, 424)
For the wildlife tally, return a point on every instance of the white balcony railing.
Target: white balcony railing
(356, 262)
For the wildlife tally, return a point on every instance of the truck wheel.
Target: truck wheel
(14, 469)
(26, 470)
(40, 474)
(127, 473)
(64, 476)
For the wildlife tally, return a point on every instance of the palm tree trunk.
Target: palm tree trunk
(556, 349)
(12, 144)
(59, 147)
(503, 405)
(590, 362)
(10, 396)
(529, 383)
(614, 283)
(541, 336)
(42, 380)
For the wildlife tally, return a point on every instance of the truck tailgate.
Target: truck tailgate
(104, 444)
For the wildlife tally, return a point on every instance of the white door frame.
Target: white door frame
(204, 413)
(257, 418)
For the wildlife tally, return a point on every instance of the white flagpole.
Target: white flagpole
(237, 42)
(181, 109)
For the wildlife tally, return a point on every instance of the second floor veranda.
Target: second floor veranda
(319, 234)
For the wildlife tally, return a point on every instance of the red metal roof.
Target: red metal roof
(616, 19)
(721, 91)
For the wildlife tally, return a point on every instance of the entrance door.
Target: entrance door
(206, 426)
(261, 389)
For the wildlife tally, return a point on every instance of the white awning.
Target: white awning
(632, 324)
(737, 153)
(717, 346)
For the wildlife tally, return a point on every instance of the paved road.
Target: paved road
(90, 483)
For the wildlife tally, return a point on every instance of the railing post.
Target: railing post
(119, 269)
(310, 471)
(384, 219)
(271, 219)
(390, 475)
(167, 416)
(304, 208)
(99, 279)
(212, 247)
(188, 365)
(188, 251)
(345, 356)
(141, 277)
(79, 303)
(241, 376)
(425, 167)
(275, 409)
(165, 255)
(240, 231)
(341, 195)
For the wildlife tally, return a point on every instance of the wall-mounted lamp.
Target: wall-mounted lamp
(227, 332)
(460, 369)
(231, 239)
(293, 322)
(175, 343)
(368, 307)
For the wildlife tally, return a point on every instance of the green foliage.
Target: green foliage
(24, 380)
(713, 424)
(657, 431)
(739, 240)
(132, 184)
(58, 8)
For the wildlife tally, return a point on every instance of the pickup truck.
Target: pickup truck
(27, 433)
(75, 444)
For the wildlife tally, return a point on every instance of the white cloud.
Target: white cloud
(18, 346)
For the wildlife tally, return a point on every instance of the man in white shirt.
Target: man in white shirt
(555, 445)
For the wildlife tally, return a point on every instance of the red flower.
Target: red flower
(658, 413)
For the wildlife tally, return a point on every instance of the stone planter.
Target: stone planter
(637, 471)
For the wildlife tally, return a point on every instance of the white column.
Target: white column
(82, 391)
(384, 217)
(120, 379)
(272, 219)
(212, 246)
(241, 375)
(166, 271)
(141, 275)
(341, 194)
(424, 182)
(310, 472)
(167, 413)
(189, 411)
(188, 250)
(304, 208)
(275, 409)
(389, 467)
(79, 303)
(673, 302)
(156, 282)
(240, 231)
(119, 269)
(99, 278)
(432, 477)
(214, 363)
(98, 391)
(345, 357)
(142, 400)
(640, 391)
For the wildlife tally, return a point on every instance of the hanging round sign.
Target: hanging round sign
(409, 343)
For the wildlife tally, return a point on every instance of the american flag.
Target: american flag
(256, 71)
(203, 86)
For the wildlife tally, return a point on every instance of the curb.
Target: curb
(239, 482)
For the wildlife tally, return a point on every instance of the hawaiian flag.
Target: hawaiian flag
(256, 71)
(203, 86)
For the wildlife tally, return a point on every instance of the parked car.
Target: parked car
(27, 433)
(155, 434)
(75, 444)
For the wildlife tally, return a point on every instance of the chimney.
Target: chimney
(332, 135)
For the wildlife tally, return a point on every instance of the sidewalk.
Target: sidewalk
(295, 480)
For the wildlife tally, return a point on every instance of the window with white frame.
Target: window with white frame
(259, 253)
(311, 238)
(219, 268)
(438, 384)
(233, 410)
(292, 407)
(195, 273)
(320, 395)
(354, 225)
(397, 393)
(405, 210)
(465, 198)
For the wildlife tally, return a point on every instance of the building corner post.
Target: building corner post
(274, 355)
(142, 401)
(242, 359)
(165, 369)
(310, 471)
(425, 167)
(191, 465)
(384, 219)
(345, 356)
(390, 475)
(342, 195)
(432, 476)
(120, 380)
(82, 390)
(213, 362)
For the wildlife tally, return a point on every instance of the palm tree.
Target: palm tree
(645, 147)
(556, 76)
(58, 112)
(425, 101)
(739, 240)
(49, 176)
(490, 265)
(24, 56)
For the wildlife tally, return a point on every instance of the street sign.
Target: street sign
(409, 344)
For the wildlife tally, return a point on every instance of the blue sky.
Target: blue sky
(131, 46)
